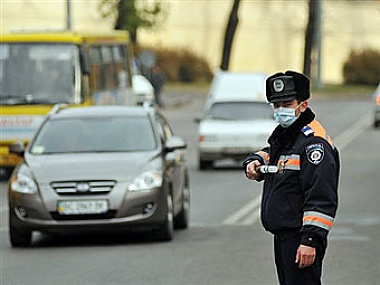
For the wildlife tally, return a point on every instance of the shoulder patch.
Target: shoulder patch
(315, 153)
(307, 131)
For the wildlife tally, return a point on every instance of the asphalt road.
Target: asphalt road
(225, 244)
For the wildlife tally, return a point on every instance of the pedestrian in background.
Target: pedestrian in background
(300, 169)
(157, 79)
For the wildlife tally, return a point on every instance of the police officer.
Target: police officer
(300, 169)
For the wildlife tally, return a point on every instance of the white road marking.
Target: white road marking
(350, 134)
(250, 213)
(245, 213)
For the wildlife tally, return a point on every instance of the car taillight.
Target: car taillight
(378, 99)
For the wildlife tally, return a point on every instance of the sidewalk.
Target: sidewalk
(175, 95)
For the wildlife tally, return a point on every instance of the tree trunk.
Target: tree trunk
(309, 39)
(229, 35)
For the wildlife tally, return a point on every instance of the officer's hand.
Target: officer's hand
(251, 171)
(305, 256)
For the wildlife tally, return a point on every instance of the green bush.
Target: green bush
(181, 65)
(362, 67)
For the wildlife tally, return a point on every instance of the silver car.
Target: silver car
(103, 167)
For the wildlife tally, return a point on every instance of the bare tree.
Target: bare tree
(310, 43)
(129, 17)
(309, 36)
(233, 21)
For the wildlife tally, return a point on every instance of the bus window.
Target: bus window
(122, 67)
(96, 79)
(109, 68)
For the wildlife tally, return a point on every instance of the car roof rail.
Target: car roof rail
(57, 108)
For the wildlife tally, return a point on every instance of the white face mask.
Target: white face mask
(285, 116)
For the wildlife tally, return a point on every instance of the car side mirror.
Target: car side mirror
(17, 148)
(174, 143)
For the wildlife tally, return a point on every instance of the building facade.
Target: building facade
(269, 38)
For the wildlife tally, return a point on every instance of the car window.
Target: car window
(113, 134)
(247, 85)
(240, 111)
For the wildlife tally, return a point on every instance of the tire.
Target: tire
(166, 229)
(205, 164)
(181, 221)
(376, 124)
(19, 238)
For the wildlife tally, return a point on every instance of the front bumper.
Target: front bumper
(145, 209)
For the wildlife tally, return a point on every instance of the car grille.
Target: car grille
(83, 187)
(109, 215)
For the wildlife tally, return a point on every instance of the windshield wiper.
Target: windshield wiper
(42, 101)
(8, 99)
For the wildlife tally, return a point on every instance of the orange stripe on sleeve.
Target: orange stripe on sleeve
(318, 219)
(264, 155)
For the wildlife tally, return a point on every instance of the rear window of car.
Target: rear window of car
(110, 134)
(241, 111)
(245, 85)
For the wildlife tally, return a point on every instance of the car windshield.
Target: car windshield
(113, 134)
(38, 73)
(241, 111)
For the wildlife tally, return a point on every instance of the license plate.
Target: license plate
(82, 207)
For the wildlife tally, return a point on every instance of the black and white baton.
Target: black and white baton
(267, 169)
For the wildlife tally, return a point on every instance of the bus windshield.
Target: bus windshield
(39, 74)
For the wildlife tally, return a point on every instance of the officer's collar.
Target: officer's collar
(285, 136)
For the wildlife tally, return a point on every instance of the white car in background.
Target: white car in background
(237, 120)
(143, 89)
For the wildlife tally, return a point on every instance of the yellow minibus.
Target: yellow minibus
(39, 69)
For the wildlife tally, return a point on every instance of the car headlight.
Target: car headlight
(146, 181)
(23, 182)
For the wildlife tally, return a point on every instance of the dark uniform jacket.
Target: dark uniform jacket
(302, 196)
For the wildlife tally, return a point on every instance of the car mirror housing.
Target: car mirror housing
(17, 148)
(174, 143)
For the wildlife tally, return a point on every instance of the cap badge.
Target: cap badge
(278, 85)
